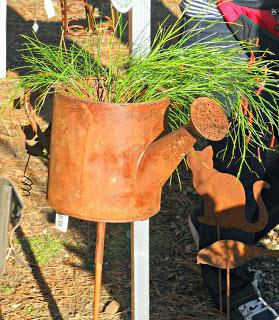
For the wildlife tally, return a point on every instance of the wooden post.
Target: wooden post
(140, 41)
(99, 257)
(5, 210)
(3, 38)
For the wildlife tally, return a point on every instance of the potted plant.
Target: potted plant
(106, 161)
(169, 70)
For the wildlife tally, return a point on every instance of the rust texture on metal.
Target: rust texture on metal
(164, 154)
(207, 120)
(228, 292)
(223, 195)
(71, 9)
(108, 162)
(99, 257)
(232, 254)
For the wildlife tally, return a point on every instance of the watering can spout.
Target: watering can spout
(207, 120)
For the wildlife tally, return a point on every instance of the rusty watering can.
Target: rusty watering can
(108, 162)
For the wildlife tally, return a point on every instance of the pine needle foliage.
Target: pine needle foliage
(169, 69)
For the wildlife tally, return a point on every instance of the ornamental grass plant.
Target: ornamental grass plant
(168, 70)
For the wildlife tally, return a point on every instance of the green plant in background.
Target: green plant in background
(6, 290)
(169, 69)
(44, 248)
(31, 311)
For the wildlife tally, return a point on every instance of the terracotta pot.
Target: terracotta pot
(106, 160)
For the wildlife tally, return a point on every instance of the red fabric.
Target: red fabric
(231, 12)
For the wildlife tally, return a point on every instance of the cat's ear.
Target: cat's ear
(192, 158)
(207, 156)
(207, 152)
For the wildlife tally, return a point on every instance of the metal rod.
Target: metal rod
(228, 292)
(220, 291)
(99, 256)
(219, 273)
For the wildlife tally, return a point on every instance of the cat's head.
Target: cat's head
(198, 160)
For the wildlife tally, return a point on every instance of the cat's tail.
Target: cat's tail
(263, 214)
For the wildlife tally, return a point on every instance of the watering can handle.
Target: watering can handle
(32, 118)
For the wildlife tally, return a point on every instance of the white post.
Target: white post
(140, 37)
(3, 37)
(140, 25)
(140, 270)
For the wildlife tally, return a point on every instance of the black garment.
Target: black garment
(242, 289)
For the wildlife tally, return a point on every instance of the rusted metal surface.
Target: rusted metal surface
(106, 160)
(207, 120)
(223, 195)
(99, 257)
(228, 292)
(224, 206)
(232, 254)
(69, 10)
